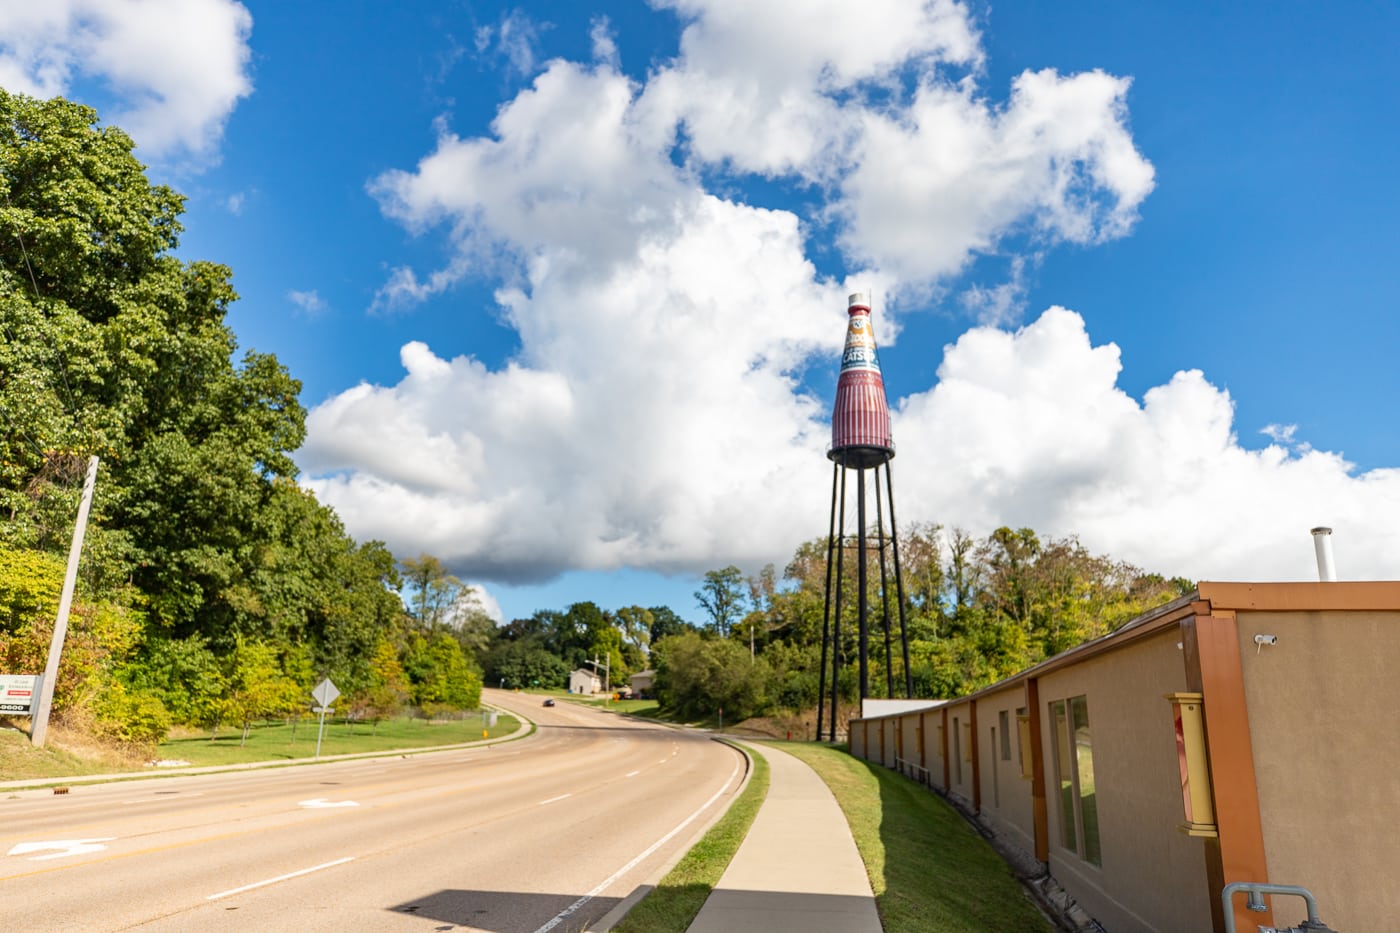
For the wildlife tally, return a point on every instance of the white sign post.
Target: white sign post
(324, 695)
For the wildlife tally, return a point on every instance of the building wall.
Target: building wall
(1006, 796)
(959, 750)
(1303, 762)
(1327, 760)
(1152, 876)
(932, 723)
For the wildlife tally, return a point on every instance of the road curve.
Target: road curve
(545, 833)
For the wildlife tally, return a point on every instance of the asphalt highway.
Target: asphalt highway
(545, 833)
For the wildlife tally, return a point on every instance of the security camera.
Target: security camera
(1266, 639)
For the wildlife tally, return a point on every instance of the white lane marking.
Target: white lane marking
(607, 882)
(295, 874)
(66, 847)
(554, 799)
(320, 803)
(632, 774)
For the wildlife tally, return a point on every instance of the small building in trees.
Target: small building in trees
(586, 682)
(642, 683)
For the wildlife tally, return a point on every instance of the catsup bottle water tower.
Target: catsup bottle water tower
(860, 442)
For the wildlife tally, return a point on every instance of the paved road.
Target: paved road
(502, 839)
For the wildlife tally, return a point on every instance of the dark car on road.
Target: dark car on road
(549, 702)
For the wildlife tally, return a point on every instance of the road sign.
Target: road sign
(19, 693)
(325, 692)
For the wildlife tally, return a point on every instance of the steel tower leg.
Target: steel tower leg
(899, 588)
(826, 607)
(836, 617)
(884, 585)
(863, 608)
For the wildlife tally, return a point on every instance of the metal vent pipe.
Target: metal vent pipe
(1322, 544)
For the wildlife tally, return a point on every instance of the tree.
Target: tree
(696, 677)
(665, 623)
(389, 689)
(257, 687)
(721, 595)
(636, 624)
(443, 679)
(433, 592)
(113, 346)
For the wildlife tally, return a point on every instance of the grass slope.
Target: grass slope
(930, 871)
(275, 742)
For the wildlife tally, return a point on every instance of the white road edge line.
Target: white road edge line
(554, 799)
(295, 874)
(607, 882)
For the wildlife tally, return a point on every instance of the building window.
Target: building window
(1074, 778)
(996, 783)
(1004, 719)
(957, 751)
(1023, 744)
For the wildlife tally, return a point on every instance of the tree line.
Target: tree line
(213, 589)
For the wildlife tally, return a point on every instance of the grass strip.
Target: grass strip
(930, 871)
(673, 903)
(266, 742)
(282, 742)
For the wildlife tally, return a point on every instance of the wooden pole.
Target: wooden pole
(38, 731)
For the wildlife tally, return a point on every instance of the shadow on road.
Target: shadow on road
(505, 911)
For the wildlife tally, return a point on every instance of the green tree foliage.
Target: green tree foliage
(257, 688)
(697, 677)
(442, 678)
(975, 611)
(388, 689)
(721, 595)
(635, 624)
(524, 663)
(665, 623)
(432, 591)
(111, 345)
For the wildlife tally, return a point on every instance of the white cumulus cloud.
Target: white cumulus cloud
(1029, 429)
(176, 67)
(655, 416)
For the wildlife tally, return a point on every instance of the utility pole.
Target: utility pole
(607, 672)
(39, 728)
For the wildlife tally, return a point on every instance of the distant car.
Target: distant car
(549, 702)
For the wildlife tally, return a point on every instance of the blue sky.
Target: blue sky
(565, 283)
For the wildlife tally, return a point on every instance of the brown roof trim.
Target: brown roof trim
(1144, 626)
(1303, 597)
(1243, 597)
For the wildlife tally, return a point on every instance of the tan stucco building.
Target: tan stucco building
(1235, 735)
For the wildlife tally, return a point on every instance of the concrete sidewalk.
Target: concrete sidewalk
(798, 867)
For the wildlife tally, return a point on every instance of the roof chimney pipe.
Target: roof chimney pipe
(1322, 543)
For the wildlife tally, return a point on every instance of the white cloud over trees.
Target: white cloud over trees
(655, 415)
(176, 68)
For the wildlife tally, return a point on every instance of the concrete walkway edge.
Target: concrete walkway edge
(798, 869)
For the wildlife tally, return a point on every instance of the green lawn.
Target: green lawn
(931, 873)
(280, 741)
(266, 742)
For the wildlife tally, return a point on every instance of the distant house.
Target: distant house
(585, 682)
(642, 683)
